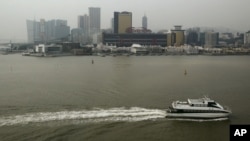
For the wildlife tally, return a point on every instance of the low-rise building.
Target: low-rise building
(128, 39)
(48, 49)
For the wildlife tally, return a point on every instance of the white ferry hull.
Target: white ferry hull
(197, 115)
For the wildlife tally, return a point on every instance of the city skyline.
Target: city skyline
(162, 14)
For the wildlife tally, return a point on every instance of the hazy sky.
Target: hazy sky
(162, 14)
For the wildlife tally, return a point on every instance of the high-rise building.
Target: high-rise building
(61, 22)
(80, 21)
(33, 31)
(42, 30)
(211, 39)
(86, 24)
(46, 31)
(171, 39)
(202, 39)
(192, 36)
(145, 22)
(179, 35)
(112, 25)
(30, 30)
(94, 20)
(62, 32)
(247, 38)
(50, 29)
(83, 22)
(122, 21)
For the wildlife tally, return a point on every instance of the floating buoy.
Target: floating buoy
(185, 72)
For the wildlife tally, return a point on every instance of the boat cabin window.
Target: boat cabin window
(212, 104)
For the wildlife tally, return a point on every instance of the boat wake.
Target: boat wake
(132, 114)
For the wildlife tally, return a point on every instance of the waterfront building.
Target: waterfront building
(179, 35)
(138, 30)
(94, 20)
(247, 38)
(211, 39)
(48, 49)
(171, 39)
(122, 21)
(145, 22)
(127, 39)
(125, 34)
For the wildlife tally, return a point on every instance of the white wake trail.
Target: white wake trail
(95, 115)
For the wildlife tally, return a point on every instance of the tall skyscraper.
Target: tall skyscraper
(83, 22)
(50, 29)
(80, 21)
(94, 20)
(33, 31)
(122, 21)
(42, 30)
(30, 30)
(145, 22)
(86, 24)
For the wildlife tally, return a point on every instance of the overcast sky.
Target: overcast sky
(162, 14)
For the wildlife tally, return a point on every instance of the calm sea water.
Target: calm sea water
(118, 98)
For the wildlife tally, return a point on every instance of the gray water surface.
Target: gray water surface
(118, 98)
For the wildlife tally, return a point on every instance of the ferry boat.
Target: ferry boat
(203, 108)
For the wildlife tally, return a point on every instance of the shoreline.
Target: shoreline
(116, 55)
